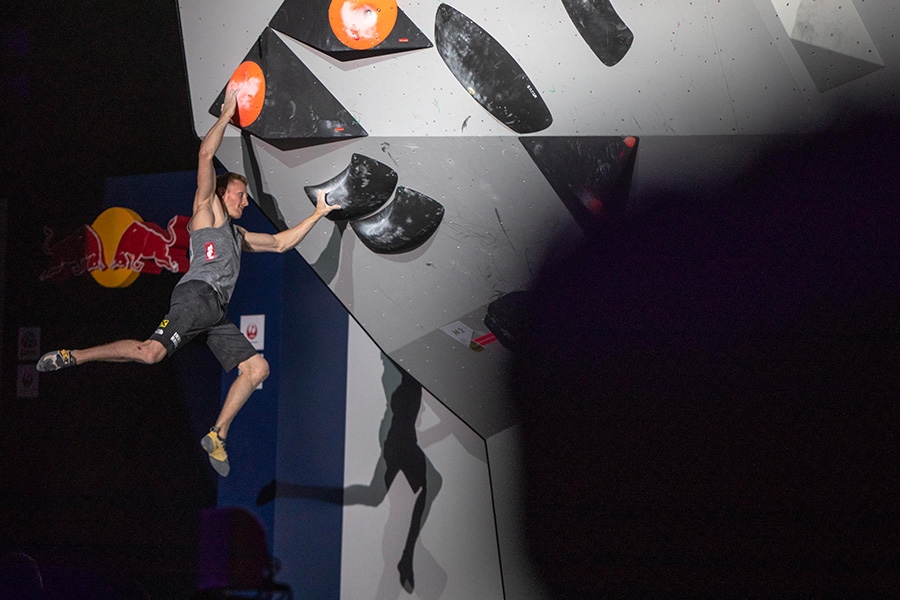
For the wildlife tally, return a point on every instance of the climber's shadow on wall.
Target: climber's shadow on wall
(400, 452)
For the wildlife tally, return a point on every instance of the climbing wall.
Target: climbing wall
(462, 140)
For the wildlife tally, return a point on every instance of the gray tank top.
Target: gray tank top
(215, 259)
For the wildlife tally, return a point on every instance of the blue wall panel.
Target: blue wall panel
(311, 431)
(252, 439)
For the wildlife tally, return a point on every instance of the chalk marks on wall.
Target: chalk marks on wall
(601, 27)
(297, 109)
(590, 174)
(489, 73)
(282, 102)
(349, 29)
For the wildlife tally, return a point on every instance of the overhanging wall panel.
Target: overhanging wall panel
(500, 213)
(501, 217)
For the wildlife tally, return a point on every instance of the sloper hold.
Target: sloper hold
(298, 110)
(601, 27)
(308, 21)
(403, 225)
(591, 174)
(489, 73)
(363, 187)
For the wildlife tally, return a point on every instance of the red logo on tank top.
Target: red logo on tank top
(210, 251)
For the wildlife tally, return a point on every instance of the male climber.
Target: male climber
(200, 299)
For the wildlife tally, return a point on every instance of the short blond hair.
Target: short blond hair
(224, 179)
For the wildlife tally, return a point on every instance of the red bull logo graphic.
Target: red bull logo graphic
(117, 247)
(74, 255)
(147, 248)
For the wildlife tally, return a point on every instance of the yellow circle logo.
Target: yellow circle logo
(110, 225)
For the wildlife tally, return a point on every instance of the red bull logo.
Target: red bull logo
(74, 255)
(117, 247)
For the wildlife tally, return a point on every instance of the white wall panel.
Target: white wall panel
(456, 555)
(695, 68)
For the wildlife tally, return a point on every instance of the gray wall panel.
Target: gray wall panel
(500, 215)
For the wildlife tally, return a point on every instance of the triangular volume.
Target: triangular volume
(488, 72)
(602, 28)
(406, 35)
(834, 25)
(830, 69)
(591, 175)
(298, 110)
(349, 29)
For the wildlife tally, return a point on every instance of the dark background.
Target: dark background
(100, 480)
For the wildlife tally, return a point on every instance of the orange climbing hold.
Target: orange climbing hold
(250, 83)
(362, 24)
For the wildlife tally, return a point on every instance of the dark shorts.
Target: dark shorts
(195, 312)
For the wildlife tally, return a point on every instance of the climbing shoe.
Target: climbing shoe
(56, 360)
(215, 447)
